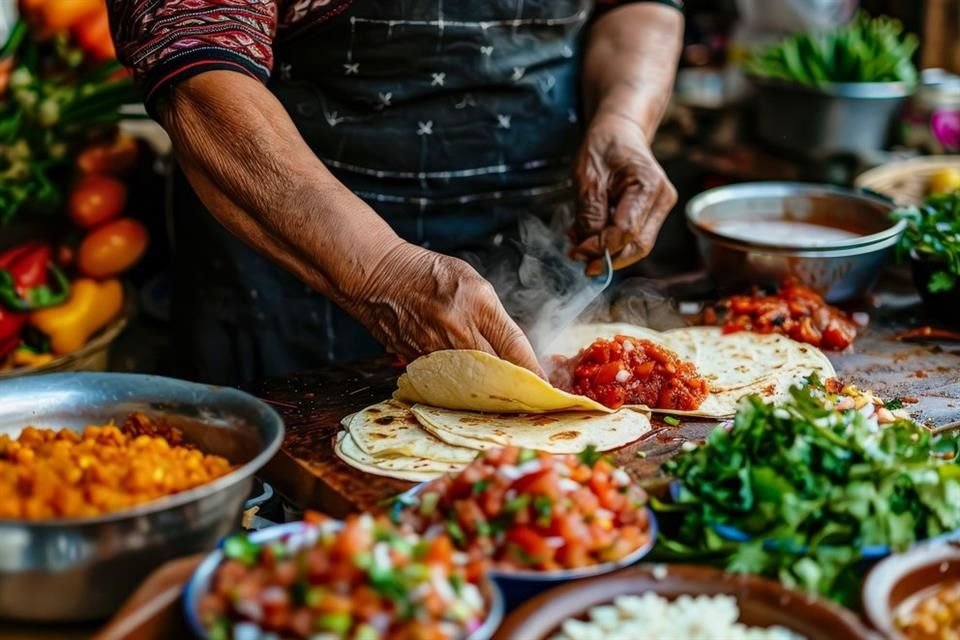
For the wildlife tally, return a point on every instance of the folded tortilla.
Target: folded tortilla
(558, 433)
(734, 364)
(477, 381)
(402, 468)
(390, 430)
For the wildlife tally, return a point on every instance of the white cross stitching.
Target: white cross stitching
(351, 69)
(425, 128)
(438, 79)
(286, 70)
(503, 121)
(487, 51)
(385, 99)
(517, 73)
(566, 52)
(334, 118)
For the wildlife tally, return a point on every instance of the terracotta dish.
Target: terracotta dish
(900, 576)
(762, 602)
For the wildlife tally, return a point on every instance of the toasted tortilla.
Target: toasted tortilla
(734, 364)
(390, 430)
(402, 468)
(562, 432)
(477, 381)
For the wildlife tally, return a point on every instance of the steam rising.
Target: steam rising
(546, 292)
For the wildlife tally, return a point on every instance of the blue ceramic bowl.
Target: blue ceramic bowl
(201, 580)
(519, 586)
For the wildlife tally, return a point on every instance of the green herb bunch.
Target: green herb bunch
(52, 102)
(933, 231)
(865, 50)
(807, 489)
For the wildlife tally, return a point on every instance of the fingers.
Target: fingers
(504, 336)
(634, 203)
(641, 247)
(592, 211)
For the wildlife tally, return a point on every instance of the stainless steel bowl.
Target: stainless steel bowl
(839, 270)
(82, 569)
(851, 117)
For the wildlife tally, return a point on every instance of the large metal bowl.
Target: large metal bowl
(82, 569)
(839, 270)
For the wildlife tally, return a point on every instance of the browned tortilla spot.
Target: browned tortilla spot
(565, 435)
(373, 410)
(379, 436)
(385, 420)
(542, 420)
(499, 432)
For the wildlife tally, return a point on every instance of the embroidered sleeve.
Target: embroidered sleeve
(167, 41)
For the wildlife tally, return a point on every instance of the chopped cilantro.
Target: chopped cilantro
(455, 532)
(526, 455)
(544, 508)
(240, 548)
(590, 455)
(480, 486)
(338, 623)
(484, 528)
(894, 404)
(456, 582)
(515, 505)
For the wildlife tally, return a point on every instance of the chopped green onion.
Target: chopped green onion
(338, 623)
(515, 505)
(670, 420)
(455, 532)
(240, 548)
(428, 503)
(590, 455)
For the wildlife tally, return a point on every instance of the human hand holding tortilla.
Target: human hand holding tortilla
(416, 302)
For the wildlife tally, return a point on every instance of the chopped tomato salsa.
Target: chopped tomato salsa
(528, 510)
(628, 370)
(794, 311)
(363, 578)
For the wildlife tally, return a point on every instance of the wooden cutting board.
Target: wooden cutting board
(312, 404)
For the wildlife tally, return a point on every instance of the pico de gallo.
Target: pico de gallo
(629, 370)
(793, 310)
(528, 510)
(364, 580)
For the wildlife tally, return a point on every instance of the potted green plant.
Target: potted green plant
(932, 243)
(836, 91)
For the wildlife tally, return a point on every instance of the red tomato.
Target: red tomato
(540, 483)
(531, 543)
(440, 552)
(96, 199)
(112, 249)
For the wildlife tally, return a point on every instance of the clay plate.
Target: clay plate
(762, 602)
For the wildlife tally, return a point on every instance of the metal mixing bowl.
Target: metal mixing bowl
(83, 569)
(839, 270)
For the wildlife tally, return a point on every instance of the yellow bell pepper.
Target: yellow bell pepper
(90, 306)
(26, 358)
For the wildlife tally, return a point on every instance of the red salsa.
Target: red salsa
(794, 311)
(629, 370)
(529, 510)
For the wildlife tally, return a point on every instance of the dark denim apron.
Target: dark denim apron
(450, 118)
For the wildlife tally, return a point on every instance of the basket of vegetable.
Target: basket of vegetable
(834, 92)
(931, 241)
(62, 168)
(910, 181)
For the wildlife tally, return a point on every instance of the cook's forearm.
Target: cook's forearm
(251, 168)
(631, 60)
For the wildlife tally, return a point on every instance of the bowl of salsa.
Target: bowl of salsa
(537, 519)
(358, 578)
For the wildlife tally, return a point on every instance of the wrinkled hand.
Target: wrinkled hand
(417, 301)
(624, 195)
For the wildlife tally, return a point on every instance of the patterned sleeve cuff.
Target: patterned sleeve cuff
(166, 75)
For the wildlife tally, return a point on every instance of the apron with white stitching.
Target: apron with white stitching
(450, 118)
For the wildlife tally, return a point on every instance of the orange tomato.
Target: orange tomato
(59, 15)
(92, 34)
(112, 248)
(96, 199)
(113, 157)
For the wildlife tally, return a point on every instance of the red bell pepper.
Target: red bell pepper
(24, 278)
(11, 324)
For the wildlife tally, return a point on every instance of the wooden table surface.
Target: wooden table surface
(312, 404)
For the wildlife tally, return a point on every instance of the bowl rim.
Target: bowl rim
(198, 583)
(782, 189)
(602, 568)
(891, 90)
(165, 503)
(886, 574)
(688, 573)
